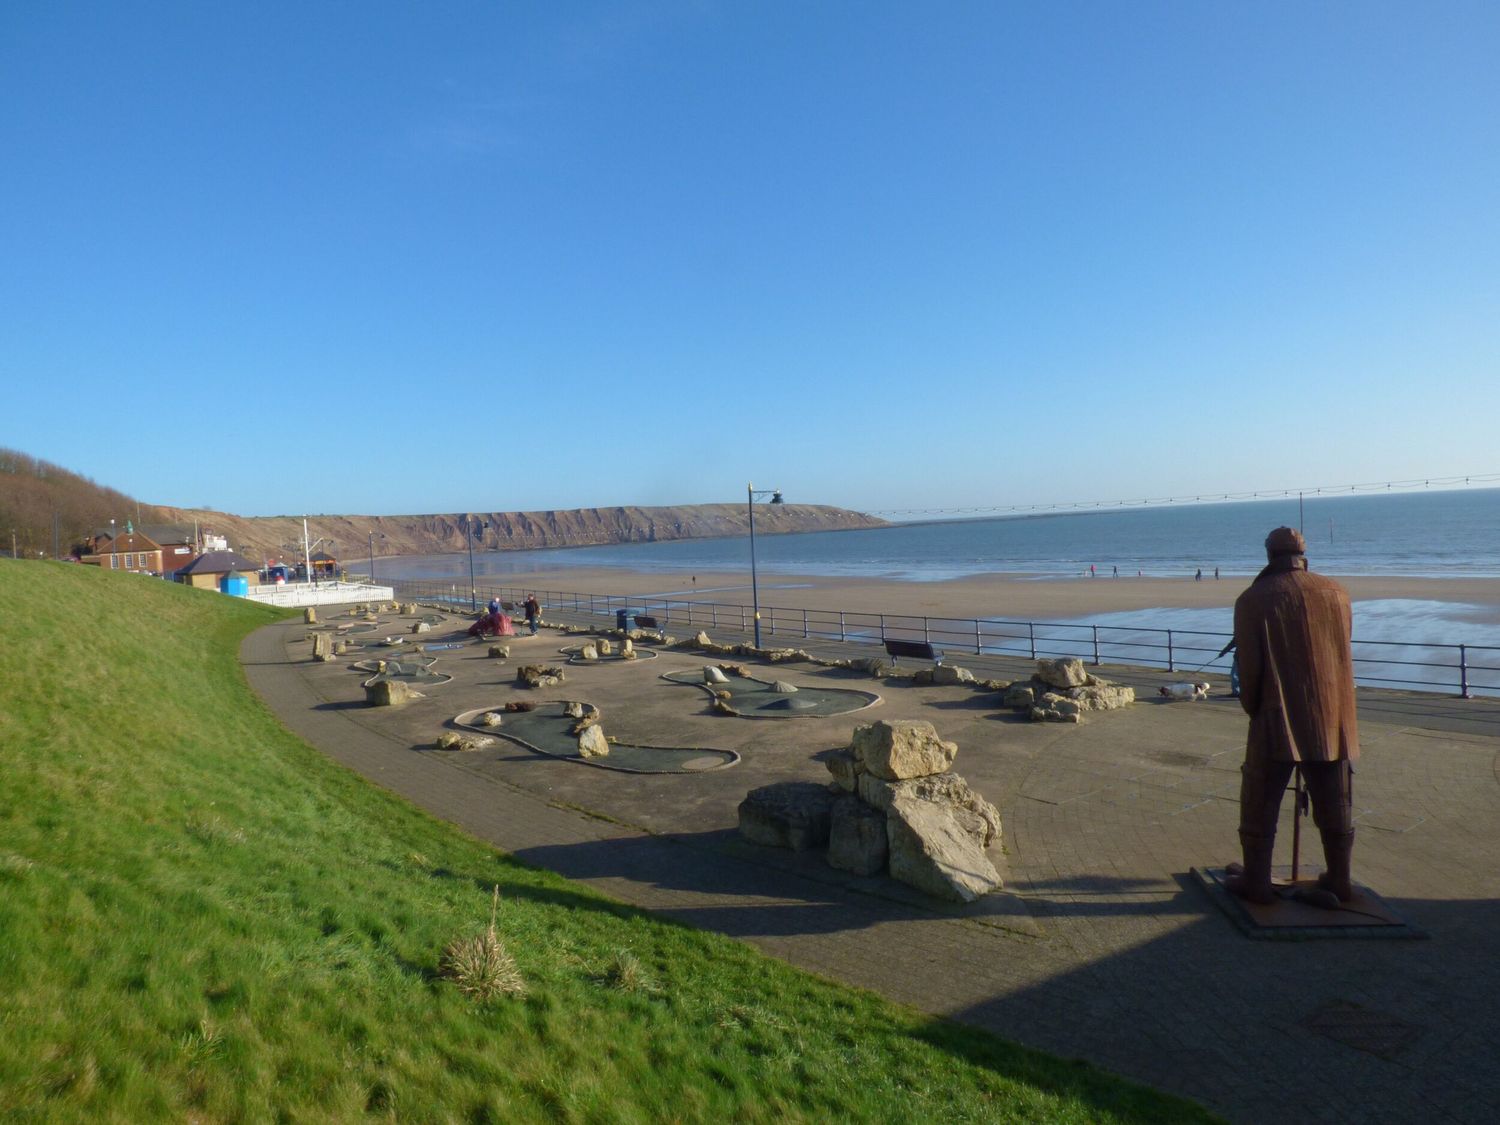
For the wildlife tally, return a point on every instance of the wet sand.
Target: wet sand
(1010, 596)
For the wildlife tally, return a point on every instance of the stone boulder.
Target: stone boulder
(421, 627)
(845, 769)
(785, 655)
(604, 647)
(702, 640)
(901, 748)
(1065, 673)
(499, 652)
(1102, 696)
(390, 693)
(787, 814)
(1019, 697)
(948, 674)
(588, 652)
(310, 616)
(976, 815)
(322, 647)
(627, 648)
(453, 740)
(490, 719)
(931, 851)
(592, 743)
(539, 675)
(856, 837)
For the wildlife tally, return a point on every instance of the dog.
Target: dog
(1183, 691)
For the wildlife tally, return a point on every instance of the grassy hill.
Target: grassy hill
(201, 918)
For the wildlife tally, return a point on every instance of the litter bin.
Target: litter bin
(625, 619)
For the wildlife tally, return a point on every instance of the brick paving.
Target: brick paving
(1101, 946)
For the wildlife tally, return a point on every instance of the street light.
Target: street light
(469, 534)
(751, 494)
(372, 554)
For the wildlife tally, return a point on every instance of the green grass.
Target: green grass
(203, 919)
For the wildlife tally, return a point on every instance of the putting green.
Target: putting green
(752, 698)
(546, 731)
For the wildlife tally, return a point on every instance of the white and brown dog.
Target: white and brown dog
(1183, 691)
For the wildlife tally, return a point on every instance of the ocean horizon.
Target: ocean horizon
(1450, 534)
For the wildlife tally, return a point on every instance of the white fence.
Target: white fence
(319, 593)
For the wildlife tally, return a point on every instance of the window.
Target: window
(114, 562)
(129, 561)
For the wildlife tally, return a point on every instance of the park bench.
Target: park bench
(920, 650)
(646, 623)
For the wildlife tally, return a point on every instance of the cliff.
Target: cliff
(263, 536)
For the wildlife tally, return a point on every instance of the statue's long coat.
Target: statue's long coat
(1292, 630)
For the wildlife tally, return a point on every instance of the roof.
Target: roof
(218, 562)
(122, 543)
(323, 556)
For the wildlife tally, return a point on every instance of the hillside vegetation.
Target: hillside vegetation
(203, 919)
(37, 497)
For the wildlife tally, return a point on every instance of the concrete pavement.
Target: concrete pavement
(1101, 946)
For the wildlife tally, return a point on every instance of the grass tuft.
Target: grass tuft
(625, 973)
(480, 966)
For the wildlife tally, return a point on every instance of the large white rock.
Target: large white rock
(1102, 696)
(931, 850)
(949, 790)
(902, 748)
(712, 675)
(390, 693)
(1065, 673)
(588, 652)
(592, 743)
(948, 674)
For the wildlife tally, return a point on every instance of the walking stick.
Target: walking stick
(1299, 809)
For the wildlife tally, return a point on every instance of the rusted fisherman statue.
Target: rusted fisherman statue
(1292, 629)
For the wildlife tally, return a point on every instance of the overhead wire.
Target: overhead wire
(1195, 498)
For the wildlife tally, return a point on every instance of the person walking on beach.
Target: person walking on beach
(1117, 570)
(533, 613)
(1292, 635)
(1199, 576)
(1216, 574)
(1091, 571)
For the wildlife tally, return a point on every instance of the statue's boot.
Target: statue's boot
(1338, 852)
(1252, 879)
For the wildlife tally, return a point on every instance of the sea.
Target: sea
(1438, 534)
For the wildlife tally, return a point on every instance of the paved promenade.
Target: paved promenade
(1101, 947)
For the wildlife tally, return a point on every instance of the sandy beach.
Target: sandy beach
(1011, 596)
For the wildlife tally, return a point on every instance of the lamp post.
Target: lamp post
(469, 534)
(372, 554)
(750, 495)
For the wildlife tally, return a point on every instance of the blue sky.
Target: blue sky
(393, 258)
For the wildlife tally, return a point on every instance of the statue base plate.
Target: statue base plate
(1366, 916)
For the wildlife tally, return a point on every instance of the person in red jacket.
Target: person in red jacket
(1292, 632)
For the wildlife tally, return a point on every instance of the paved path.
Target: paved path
(1101, 947)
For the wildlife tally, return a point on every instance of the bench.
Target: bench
(646, 623)
(920, 650)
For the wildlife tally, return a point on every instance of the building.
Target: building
(128, 550)
(209, 570)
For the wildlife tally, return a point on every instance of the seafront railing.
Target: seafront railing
(1464, 669)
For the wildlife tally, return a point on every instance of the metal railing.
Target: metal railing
(1463, 669)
